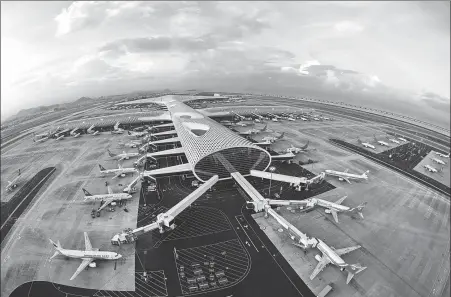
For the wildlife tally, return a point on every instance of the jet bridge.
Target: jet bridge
(292, 180)
(166, 141)
(248, 188)
(175, 151)
(163, 126)
(165, 220)
(171, 170)
(284, 157)
(164, 133)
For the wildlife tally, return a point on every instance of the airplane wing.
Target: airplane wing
(117, 175)
(339, 201)
(88, 246)
(334, 214)
(82, 266)
(109, 190)
(105, 204)
(346, 179)
(347, 250)
(321, 265)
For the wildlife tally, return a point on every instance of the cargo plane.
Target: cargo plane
(88, 255)
(347, 176)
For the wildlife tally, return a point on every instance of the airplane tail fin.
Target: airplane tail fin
(87, 194)
(110, 153)
(306, 145)
(352, 270)
(358, 209)
(101, 168)
(365, 174)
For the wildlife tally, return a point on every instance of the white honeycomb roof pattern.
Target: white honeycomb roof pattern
(216, 138)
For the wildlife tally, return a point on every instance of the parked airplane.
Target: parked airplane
(117, 130)
(273, 139)
(60, 137)
(297, 150)
(73, 131)
(257, 120)
(88, 255)
(137, 134)
(439, 161)
(41, 139)
(442, 155)
(122, 156)
(380, 141)
(58, 134)
(92, 131)
(254, 131)
(335, 207)
(332, 256)
(95, 133)
(394, 140)
(106, 199)
(304, 119)
(366, 144)
(240, 124)
(76, 135)
(402, 139)
(14, 183)
(430, 168)
(347, 176)
(120, 171)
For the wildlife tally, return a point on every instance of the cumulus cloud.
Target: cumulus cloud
(303, 69)
(348, 27)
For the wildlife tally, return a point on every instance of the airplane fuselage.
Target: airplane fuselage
(331, 205)
(117, 196)
(122, 170)
(344, 174)
(331, 254)
(90, 254)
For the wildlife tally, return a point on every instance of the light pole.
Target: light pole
(271, 169)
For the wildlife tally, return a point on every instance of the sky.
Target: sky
(367, 52)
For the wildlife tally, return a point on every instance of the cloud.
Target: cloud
(304, 67)
(348, 27)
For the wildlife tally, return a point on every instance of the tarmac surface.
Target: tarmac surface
(404, 236)
(443, 176)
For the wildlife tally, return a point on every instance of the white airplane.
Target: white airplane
(61, 132)
(120, 171)
(442, 155)
(366, 144)
(133, 144)
(257, 120)
(95, 133)
(402, 139)
(76, 135)
(254, 131)
(394, 140)
(73, 131)
(331, 255)
(122, 156)
(273, 139)
(347, 176)
(335, 207)
(296, 150)
(439, 161)
(91, 131)
(40, 139)
(117, 130)
(14, 183)
(383, 143)
(304, 119)
(60, 137)
(430, 168)
(241, 124)
(88, 255)
(137, 134)
(106, 198)
(291, 119)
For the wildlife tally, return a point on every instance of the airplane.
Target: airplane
(91, 131)
(304, 119)
(132, 144)
(61, 132)
(438, 161)
(366, 144)
(253, 131)
(88, 255)
(95, 133)
(380, 141)
(402, 139)
(442, 155)
(76, 135)
(106, 199)
(335, 207)
(60, 137)
(241, 124)
(120, 171)
(41, 139)
(259, 116)
(297, 150)
(291, 119)
(73, 131)
(347, 176)
(394, 140)
(430, 168)
(122, 156)
(273, 139)
(14, 183)
(137, 134)
(257, 120)
(331, 255)
(117, 130)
